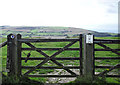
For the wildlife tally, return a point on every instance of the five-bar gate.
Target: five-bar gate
(106, 45)
(87, 59)
(14, 56)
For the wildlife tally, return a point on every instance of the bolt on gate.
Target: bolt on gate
(14, 57)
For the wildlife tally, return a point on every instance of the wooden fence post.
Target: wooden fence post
(13, 55)
(19, 45)
(88, 60)
(81, 56)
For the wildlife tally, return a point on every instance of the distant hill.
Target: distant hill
(49, 31)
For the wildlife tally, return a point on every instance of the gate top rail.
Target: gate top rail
(107, 41)
(47, 40)
(3, 44)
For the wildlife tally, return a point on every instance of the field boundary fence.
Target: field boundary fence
(86, 57)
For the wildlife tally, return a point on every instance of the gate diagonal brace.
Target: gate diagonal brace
(106, 47)
(3, 44)
(106, 71)
(50, 58)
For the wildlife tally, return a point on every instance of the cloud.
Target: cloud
(111, 6)
(75, 13)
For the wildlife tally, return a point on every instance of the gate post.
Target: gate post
(13, 55)
(88, 60)
(19, 45)
(81, 54)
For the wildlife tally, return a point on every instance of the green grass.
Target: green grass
(49, 34)
(63, 54)
(35, 32)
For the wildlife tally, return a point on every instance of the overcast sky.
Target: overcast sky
(100, 15)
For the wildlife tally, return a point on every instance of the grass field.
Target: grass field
(64, 54)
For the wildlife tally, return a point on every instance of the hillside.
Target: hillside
(48, 32)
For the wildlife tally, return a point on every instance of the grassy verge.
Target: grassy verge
(96, 81)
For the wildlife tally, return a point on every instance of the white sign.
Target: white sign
(89, 38)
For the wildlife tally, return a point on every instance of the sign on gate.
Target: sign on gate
(89, 38)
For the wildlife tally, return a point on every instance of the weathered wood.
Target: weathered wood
(113, 76)
(48, 58)
(103, 58)
(88, 61)
(112, 40)
(61, 50)
(86, 68)
(106, 41)
(52, 67)
(106, 47)
(49, 49)
(106, 66)
(3, 44)
(40, 51)
(52, 75)
(116, 76)
(62, 58)
(59, 64)
(8, 64)
(68, 70)
(12, 55)
(28, 55)
(46, 40)
(101, 42)
(19, 45)
(106, 71)
(81, 56)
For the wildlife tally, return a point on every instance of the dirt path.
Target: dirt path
(63, 72)
(61, 80)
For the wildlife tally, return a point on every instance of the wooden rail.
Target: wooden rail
(49, 49)
(106, 41)
(106, 49)
(51, 58)
(46, 40)
(102, 42)
(52, 67)
(106, 66)
(114, 76)
(111, 68)
(53, 75)
(3, 44)
(62, 58)
(103, 58)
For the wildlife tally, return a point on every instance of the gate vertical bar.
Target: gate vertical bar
(80, 51)
(19, 44)
(88, 56)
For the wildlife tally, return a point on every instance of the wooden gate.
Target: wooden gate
(15, 49)
(87, 61)
(105, 48)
